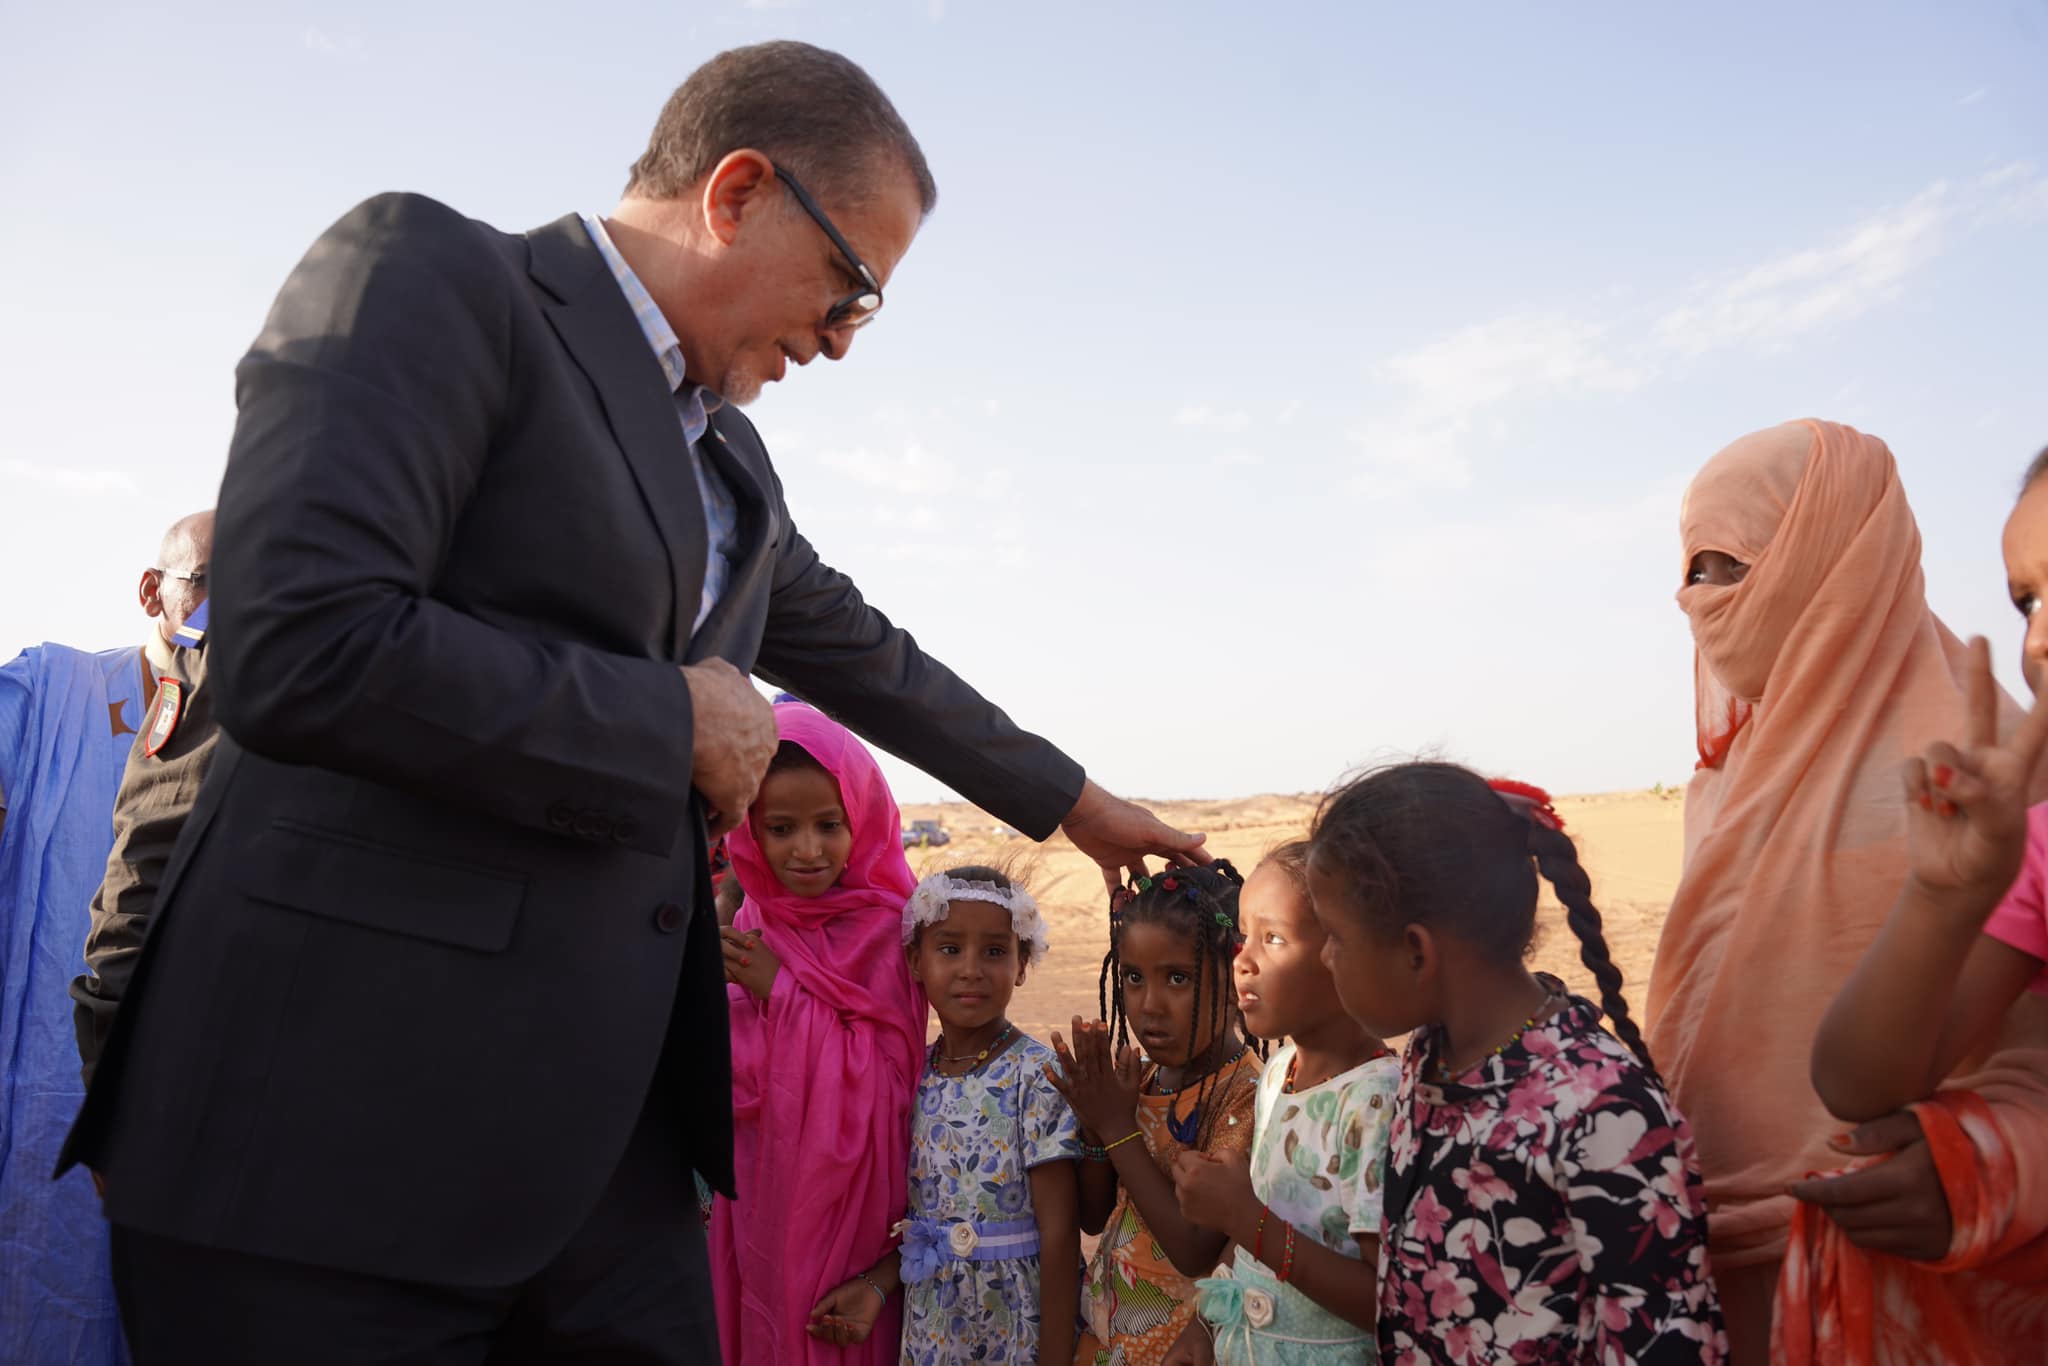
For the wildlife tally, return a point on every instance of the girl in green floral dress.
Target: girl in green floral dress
(1304, 1210)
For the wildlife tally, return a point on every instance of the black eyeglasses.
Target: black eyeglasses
(857, 309)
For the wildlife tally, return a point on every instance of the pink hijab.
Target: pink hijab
(824, 1073)
(1818, 676)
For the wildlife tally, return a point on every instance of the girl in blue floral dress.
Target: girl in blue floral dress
(989, 1264)
(1543, 1200)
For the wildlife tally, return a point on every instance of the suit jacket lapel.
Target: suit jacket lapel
(742, 464)
(596, 324)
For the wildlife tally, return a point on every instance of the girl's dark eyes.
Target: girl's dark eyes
(1133, 979)
(2027, 604)
(1178, 979)
(1272, 938)
(998, 951)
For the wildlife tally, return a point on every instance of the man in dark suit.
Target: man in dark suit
(429, 1029)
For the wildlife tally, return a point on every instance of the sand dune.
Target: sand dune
(1630, 842)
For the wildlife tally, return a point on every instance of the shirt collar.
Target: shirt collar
(697, 401)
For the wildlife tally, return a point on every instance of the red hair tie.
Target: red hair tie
(1528, 800)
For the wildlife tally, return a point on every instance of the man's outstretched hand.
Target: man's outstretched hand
(1121, 835)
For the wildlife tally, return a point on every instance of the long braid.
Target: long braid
(1558, 860)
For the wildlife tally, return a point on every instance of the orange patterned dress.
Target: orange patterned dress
(1134, 1302)
(1841, 1306)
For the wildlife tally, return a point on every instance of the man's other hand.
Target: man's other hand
(732, 738)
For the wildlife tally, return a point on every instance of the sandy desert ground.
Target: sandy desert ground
(1630, 843)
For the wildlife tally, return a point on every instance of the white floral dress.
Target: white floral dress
(1318, 1163)
(970, 1251)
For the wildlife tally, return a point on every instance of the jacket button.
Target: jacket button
(624, 829)
(669, 917)
(561, 816)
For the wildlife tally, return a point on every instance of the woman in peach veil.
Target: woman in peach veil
(1819, 671)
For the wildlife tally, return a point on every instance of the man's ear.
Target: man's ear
(741, 188)
(150, 592)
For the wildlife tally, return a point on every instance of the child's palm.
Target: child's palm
(1966, 809)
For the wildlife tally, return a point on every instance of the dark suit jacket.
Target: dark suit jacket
(443, 897)
(157, 794)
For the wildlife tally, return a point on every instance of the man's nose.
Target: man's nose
(835, 342)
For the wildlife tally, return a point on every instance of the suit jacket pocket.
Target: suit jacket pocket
(343, 877)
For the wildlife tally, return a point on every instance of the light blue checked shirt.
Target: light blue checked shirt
(693, 401)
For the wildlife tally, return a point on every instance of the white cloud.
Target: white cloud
(1446, 386)
(67, 481)
(1819, 286)
(317, 40)
(1289, 410)
(1212, 419)
(1975, 96)
(935, 10)
(1493, 361)
(1459, 391)
(910, 473)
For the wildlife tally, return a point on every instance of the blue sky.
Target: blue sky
(1276, 388)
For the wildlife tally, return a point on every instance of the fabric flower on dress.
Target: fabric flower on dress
(1258, 1309)
(921, 1255)
(1220, 1299)
(963, 1239)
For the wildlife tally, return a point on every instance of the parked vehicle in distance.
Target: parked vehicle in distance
(925, 834)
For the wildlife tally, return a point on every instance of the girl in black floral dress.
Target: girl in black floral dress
(1543, 1200)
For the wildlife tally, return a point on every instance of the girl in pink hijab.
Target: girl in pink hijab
(827, 1042)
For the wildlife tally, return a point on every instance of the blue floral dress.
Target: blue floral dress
(970, 1245)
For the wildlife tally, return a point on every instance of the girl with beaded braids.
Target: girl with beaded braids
(1166, 981)
(1543, 1199)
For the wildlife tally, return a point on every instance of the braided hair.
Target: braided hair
(1435, 844)
(1199, 904)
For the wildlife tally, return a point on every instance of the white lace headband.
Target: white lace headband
(927, 906)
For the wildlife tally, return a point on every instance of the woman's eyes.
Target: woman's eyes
(2027, 604)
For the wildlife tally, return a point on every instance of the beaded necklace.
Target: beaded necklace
(1158, 1090)
(1550, 999)
(976, 1058)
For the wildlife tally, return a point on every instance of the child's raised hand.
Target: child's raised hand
(1215, 1190)
(1104, 1094)
(1966, 809)
(748, 961)
(847, 1314)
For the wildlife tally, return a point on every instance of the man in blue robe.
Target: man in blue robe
(68, 719)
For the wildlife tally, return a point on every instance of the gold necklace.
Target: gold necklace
(976, 1058)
